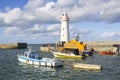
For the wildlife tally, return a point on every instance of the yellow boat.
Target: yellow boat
(66, 55)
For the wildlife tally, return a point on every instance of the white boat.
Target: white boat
(87, 66)
(30, 57)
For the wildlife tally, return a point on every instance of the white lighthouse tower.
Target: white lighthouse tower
(64, 28)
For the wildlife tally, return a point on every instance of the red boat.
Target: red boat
(107, 52)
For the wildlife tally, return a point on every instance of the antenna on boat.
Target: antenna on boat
(75, 33)
(30, 49)
(77, 36)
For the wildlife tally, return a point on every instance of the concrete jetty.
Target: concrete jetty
(13, 46)
(103, 46)
(48, 47)
(97, 46)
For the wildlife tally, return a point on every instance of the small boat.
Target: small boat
(88, 53)
(87, 66)
(106, 52)
(66, 55)
(30, 57)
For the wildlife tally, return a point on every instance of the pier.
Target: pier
(13, 46)
(97, 46)
(48, 47)
(103, 46)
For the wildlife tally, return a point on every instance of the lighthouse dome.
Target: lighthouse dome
(64, 17)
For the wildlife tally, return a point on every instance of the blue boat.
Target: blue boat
(30, 57)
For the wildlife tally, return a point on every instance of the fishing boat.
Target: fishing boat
(30, 57)
(106, 52)
(66, 55)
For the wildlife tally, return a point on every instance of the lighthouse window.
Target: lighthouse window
(63, 28)
(63, 34)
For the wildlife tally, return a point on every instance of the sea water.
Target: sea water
(11, 69)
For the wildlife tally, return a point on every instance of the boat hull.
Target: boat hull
(107, 53)
(63, 55)
(87, 66)
(40, 62)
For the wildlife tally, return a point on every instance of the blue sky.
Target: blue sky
(38, 21)
(12, 3)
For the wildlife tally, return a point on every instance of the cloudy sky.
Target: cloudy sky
(38, 21)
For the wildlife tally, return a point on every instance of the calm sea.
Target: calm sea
(11, 69)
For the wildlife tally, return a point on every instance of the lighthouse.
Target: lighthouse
(64, 28)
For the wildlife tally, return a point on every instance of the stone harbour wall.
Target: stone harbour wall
(47, 49)
(97, 46)
(103, 46)
(13, 46)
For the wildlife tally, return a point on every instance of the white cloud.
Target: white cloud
(82, 32)
(1, 18)
(54, 27)
(42, 11)
(36, 14)
(36, 30)
(44, 31)
(110, 35)
(32, 4)
(50, 5)
(13, 16)
(13, 30)
(110, 11)
(7, 8)
(66, 3)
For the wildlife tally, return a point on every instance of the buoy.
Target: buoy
(87, 66)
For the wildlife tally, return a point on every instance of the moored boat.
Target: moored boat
(106, 52)
(29, 57)
(64, 55)
(87, 66)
